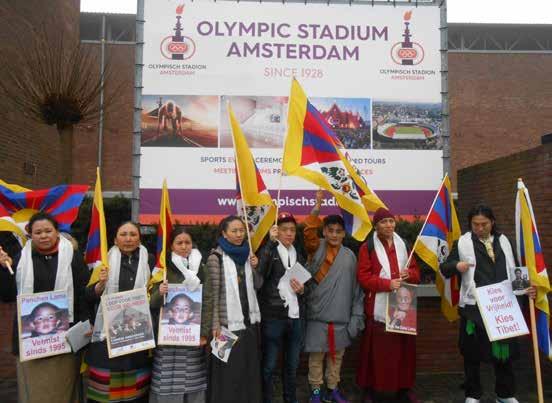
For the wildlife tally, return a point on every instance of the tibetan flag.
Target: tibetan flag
(96, 246)
(163, 233)
(434, 243)
(7, 223)
(251, 192)
(312, 153)
(62, 202)
(530, 255)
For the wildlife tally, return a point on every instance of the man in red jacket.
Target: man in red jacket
(388, 360)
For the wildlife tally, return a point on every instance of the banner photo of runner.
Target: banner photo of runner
(180, 317)
(43, 320)
(127, 321)
(374, 76)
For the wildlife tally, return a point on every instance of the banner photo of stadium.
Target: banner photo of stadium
(372, 72)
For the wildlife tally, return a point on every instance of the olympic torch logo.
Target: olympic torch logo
(178, 46)
(407, 52)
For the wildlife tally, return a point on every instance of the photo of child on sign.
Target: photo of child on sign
(180, 323)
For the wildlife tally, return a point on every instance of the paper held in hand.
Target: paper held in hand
(500, 311)
(221, 347)
(402, 310)
(298, 272)
(127, 322)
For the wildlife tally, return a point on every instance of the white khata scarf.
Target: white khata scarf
(466, 253)
(189, 267)
(233, 303)
(288, 258)
(380, 304)
(112, 286)
(24, 277)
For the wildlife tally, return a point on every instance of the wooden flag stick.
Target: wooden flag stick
(536, 350)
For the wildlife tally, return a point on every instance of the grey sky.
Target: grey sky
(492, 11)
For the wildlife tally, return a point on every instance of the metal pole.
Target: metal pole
(445, 124)
(102, 82)
(137, 130)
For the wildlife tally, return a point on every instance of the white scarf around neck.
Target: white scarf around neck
(112, 285)
(64, 275)
(288, 258)
(189, 267)
(380, 304)
(466, 253)
(233, 303)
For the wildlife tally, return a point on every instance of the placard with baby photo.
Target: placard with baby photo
(180, 317)
(43, 320)
(402, 310)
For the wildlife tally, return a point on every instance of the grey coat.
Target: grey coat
(218, 287)
(337, 299)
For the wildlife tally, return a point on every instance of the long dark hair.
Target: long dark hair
(485, 211)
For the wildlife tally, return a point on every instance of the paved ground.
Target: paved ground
(431, 388)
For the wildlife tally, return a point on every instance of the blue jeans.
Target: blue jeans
(275, 334)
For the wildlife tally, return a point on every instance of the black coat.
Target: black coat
(44, 270)
(477, 346)
(97, 354)
(272, 269)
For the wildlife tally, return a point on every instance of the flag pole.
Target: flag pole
(425, 222)
(536, 350)
(239, 178)
(283, 151)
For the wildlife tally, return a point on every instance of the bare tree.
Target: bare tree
(57, 82)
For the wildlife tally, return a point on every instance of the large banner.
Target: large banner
(373, 73)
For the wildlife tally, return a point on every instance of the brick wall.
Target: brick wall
(117, 133)
(499, 105)
(495, 183)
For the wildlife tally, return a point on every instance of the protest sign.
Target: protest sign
(500, 311)
(127, 322)
(43, 321)
(180, 317)
(402, 310)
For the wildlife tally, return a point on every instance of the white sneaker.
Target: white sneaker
(506, 400)
(471, 400)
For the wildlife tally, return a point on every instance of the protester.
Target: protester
(334, 302)
(231, 267)
(180, 373)
(46, 263)
(387, 367)
(481, 257)
(129, 268)
(282, 307)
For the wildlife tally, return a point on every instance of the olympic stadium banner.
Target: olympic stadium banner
(372, 71)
